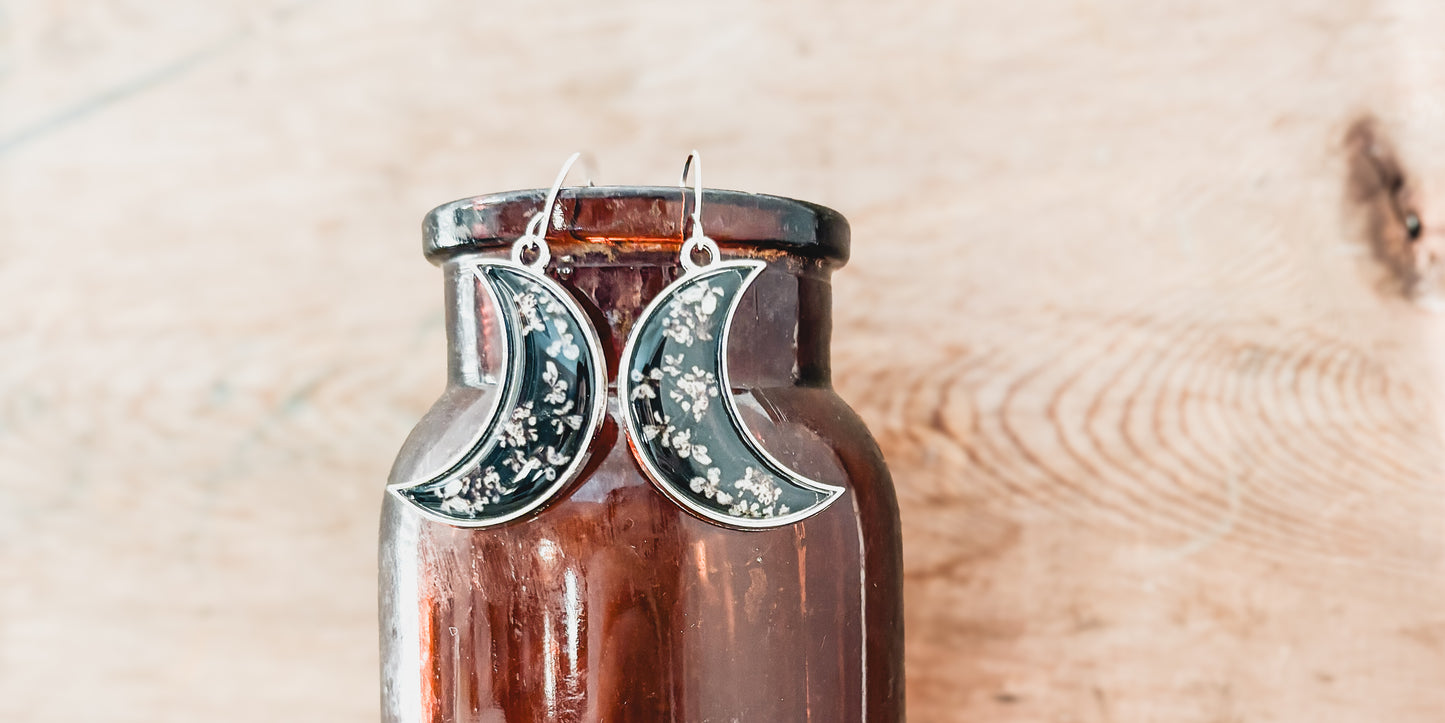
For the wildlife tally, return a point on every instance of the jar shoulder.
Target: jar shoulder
(449, 429)
(777, 416)
(790, 422)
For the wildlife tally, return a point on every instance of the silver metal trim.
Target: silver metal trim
(486, 439)
(631, 424)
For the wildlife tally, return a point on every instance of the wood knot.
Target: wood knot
(1385, 197)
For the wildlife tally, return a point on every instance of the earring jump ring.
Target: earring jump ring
(698, 241)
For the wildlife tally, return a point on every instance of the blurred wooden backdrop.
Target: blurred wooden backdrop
(1136, 319)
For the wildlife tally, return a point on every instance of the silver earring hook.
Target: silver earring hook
(536, 233)
(698, 241)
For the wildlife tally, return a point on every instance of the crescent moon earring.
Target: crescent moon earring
(549, 403)
(677, 404)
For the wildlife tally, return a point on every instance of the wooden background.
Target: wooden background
(1133, 311)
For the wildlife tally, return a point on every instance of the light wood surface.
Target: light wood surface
(1160, 384)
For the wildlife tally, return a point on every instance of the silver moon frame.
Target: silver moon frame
(631, 423)
(507, 399)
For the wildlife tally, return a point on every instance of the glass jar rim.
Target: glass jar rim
(637, 214)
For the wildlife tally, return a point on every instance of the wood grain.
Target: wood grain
(1160, 383)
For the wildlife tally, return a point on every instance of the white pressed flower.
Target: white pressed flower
(694, 390)
(516, 462)
(558, 392)
(699, 454)
(682, 443)
(745, 509)
(555, 458)
(759, 486)
(549, 304)
(689, 312)
(563, 420)
(707, 305)
(564, 346)
(693, 294)
(514, 434)
(708, 486)
(521, 428)
(678, 332)
(663, 427)
(454, 487)
(527, 309)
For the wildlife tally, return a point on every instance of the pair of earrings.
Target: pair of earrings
(673, 390)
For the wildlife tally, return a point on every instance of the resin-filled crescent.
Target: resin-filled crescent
(682, 421)
(550, 402)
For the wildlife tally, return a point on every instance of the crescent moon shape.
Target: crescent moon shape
(681, 419)
(548, 408)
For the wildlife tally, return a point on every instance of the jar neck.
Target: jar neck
(780, 332)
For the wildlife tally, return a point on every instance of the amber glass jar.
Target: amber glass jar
(613, 603)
